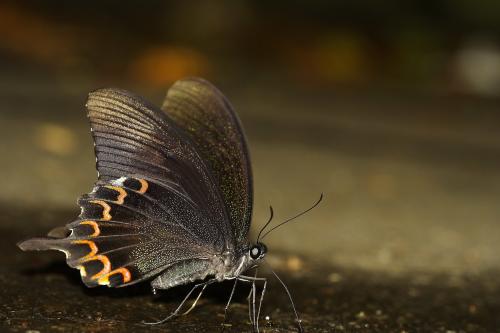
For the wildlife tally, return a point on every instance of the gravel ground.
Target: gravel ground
(406, 240)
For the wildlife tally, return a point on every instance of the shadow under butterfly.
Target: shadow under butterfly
(173, 199)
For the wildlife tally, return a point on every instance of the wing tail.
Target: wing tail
(42, 244)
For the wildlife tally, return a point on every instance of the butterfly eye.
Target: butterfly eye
(255, 252)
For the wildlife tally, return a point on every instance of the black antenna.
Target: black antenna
(293, 218)
(267, 223)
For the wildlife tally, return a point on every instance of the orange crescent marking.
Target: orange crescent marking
(106, 216)
(94, 225)
(92, 246)
(144, 186)
(123, 271)
(122, 193)
(106, 265)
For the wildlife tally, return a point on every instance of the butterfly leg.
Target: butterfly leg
(255, 276)
(249, 298)
(254, 291)
(229, 300)
(250, 307)
(176, 312)
(226, 308)
(195, 301)
(261, 299)
(254, 317)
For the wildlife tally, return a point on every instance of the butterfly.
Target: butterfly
(174, 195)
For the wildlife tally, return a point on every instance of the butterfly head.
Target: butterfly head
(257, 251)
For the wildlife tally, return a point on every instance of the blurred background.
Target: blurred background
(390, 110)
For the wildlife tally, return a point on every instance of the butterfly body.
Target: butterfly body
(173, 200)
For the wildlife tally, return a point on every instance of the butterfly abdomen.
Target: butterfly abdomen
(183, 272)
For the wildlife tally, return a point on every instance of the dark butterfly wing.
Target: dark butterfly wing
(155, 204)
(206, 115)
(124, 235)
(134, 138)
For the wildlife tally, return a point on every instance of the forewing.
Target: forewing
(133, 137)
(206, 115)
(124, 235)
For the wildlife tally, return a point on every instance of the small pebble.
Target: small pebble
(294, 264)
(334, 277)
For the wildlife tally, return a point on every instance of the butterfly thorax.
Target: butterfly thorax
(230, 265)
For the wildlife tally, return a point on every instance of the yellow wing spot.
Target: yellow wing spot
(92, 246)
(83, 272)
(104, 280)
(144, 186)
(121, 193)
(106, 216)
(106, 265)
(94, 225)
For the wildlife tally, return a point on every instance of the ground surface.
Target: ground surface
(40, 293)
(406, 240)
